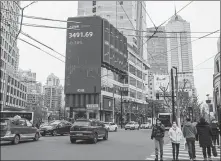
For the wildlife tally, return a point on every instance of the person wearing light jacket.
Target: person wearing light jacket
(175, 135)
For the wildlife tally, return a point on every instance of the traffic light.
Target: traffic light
(94, 10)
(157, 96)
(94, 3)
(121, 2)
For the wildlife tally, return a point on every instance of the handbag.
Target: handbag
(214, 151)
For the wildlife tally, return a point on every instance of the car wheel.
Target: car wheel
(95, 138)
(125, 129)
(62, 134)
(73, 141)
(36, 138)
(16, 139)
(43, 134)
(115, 129)
(106, 136)
(54, 133)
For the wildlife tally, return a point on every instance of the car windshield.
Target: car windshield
(4, 123)
(130, 123)
(106, 123)
(54, 123)
(82, 123)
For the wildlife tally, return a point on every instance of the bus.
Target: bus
(166, 119)
(23, 114)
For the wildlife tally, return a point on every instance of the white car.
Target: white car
(145, 125)
(110, 126)
(132, 126)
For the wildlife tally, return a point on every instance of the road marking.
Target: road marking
(183, 154)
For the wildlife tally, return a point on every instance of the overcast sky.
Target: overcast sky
(204, 16)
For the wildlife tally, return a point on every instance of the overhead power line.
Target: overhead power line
(27, 35)
(41, 50)
(166, 21)
(36, 47)
(206, 60)
(189, 42)
(34, 17)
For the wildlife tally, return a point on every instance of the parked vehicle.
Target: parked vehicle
(145, 125)
(132, 125)
(85, 129)
(56, 127)
(166, 120)
(19, 129)
(110, 126)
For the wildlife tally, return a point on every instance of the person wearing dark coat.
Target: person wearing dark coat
(204, 135)
(215, 132)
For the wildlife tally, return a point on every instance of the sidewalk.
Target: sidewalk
(183, 154)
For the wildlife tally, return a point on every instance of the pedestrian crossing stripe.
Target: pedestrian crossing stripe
(183, 153)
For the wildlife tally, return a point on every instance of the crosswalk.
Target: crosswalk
(183, 153)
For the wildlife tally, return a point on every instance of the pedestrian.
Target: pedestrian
(215, 132)
(158, 132)
(189, 132)
(175, 135)
(204, 135)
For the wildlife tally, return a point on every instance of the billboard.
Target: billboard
(84, 47)
(161, 81)
(114, 48)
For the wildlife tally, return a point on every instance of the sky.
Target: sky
(204, 16)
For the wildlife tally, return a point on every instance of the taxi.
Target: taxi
(17, 129)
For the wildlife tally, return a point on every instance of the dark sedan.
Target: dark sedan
(84, 129)
(56, 127)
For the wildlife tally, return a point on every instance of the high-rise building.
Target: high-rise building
(13, 91)
(29, 78)
(180, 50)
(129, 24)
(53, 93)
(157, 51)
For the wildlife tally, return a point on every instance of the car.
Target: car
(86, 129)
(56, 127)
(19, 129)
(110, 126)
(132, 126)
(145, 125)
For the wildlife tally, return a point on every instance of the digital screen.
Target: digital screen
(114, 47)
(83, 55)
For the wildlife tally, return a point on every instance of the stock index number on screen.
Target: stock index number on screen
(80, 34)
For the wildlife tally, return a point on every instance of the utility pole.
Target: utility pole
(177, 98)
(113, 104)
(121, 108)
(152, 112)
(172, 84)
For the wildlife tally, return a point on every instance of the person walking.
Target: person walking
(189, 132)
(175, 135)
(158, 132)
(215, 132)
(204, 135)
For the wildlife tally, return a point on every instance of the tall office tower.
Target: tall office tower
(12, 90)
(114, 11)
(53, 93)
(180, 51)
(157, 51)
(129, 17)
